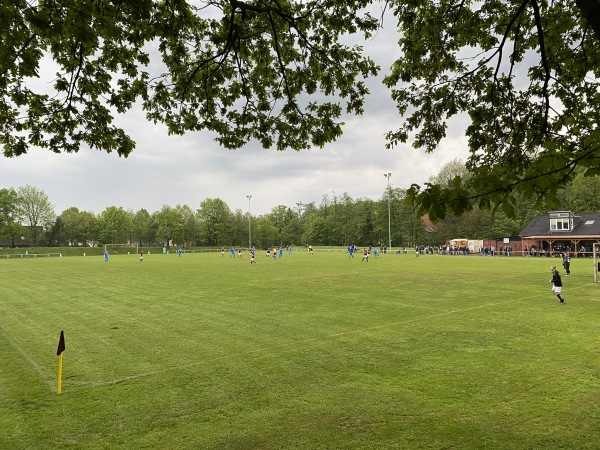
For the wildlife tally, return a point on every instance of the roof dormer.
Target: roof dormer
(561, 221)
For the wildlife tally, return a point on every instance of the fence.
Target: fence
(32, 255)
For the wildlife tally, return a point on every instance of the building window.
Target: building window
(560, 224)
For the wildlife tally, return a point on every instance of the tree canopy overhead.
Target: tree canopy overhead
(242, 69)
(525, 72)
(522, 75)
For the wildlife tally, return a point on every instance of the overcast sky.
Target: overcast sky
(172, 170)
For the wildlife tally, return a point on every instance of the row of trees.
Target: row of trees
(27, 214)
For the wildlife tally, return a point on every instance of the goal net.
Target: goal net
(122, 249)
(596, 260)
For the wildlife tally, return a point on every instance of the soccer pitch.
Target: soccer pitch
(304, 352)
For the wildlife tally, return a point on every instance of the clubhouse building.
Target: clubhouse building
(561, 232)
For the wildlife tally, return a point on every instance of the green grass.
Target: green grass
(305, 352)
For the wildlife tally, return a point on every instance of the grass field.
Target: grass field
(306, 352)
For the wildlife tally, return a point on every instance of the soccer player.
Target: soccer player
(239, 252)
(141, 256)
(280, 251)
(351, 251)
(310, 250)
(365, 256)
(252, 257)
(232, 251)
(556, 284)
(567, 263)
(222, 251)
(179, 252)
(106, 256)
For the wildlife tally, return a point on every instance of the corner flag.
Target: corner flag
(59, 351)
(61, 344)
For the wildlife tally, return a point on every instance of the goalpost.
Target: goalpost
(596, 260)
(131, 246)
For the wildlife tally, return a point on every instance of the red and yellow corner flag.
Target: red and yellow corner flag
(59, 352)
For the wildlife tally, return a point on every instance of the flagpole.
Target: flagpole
(59, 351)
(59, 373)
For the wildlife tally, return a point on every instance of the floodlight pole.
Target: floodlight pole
(249, 223)
(388, 176)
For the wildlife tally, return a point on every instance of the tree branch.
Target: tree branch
(74, 79)
(222, 55)
(590, 9)
(570, 166)
(507, 30)
(19, 52)
(545, 65)
(282, 66)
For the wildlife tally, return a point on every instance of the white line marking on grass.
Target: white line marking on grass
(408, 305)
(292, 344)
(40, 371)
